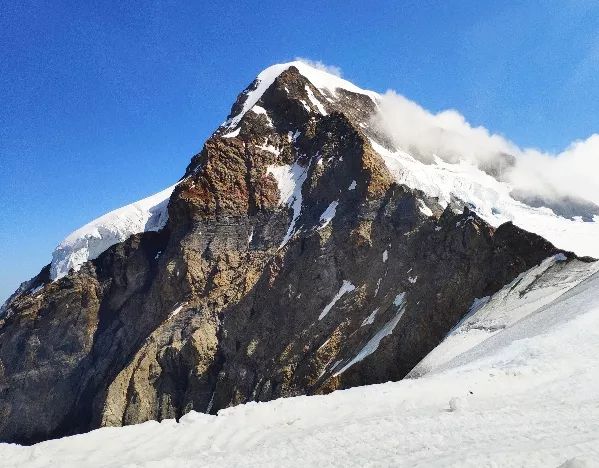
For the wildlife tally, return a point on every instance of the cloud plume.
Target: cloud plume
(572, 173)
(332, 69)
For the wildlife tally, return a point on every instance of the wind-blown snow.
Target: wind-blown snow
(346, 287)
(527, 397)
(89, 241)
(490, 199)
(289, 181)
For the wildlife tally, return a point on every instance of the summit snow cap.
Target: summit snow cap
(321, 79)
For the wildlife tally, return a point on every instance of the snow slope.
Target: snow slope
(490, 199)
(524, 396)
(526, 295)
(89, 241)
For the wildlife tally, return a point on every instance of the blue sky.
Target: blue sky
(104, 103)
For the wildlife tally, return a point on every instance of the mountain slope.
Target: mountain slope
(292, 262)
(525, 397)
(495, 201)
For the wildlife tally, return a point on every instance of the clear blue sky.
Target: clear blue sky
(103, 103)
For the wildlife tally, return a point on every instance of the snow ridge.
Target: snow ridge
(89, 241)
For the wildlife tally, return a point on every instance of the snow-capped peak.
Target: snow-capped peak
(319, 78)
(487, 196)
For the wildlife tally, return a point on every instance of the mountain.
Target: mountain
(300, 253)
(525, 395)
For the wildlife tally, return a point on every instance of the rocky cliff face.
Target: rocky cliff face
(291, 263)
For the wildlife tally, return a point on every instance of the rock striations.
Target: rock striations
(292, 262)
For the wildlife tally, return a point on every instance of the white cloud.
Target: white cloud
(332, 69)
(573, 172)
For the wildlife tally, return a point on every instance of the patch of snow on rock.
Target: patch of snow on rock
(259, 110)
(327, 216)
(315, 101)
(370, 319)
(400, 299)
(425, 210)
(346, 287)
(232, 134)
(270, 148)
(372, 345)
(176, 311)
(290, 180)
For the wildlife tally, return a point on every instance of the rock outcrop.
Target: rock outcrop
(291, 263)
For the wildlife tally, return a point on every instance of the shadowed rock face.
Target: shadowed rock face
(228, 304)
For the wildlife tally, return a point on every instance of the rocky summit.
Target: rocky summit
(292, 258)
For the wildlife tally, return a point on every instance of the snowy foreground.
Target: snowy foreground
(500, 391)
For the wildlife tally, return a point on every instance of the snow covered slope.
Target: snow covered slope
(89, 241)
(529, 294)
(490, 199)
(525, 396)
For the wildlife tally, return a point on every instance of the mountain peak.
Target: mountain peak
(321, 79)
